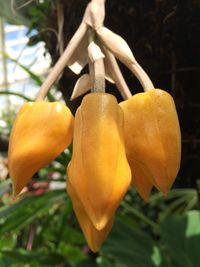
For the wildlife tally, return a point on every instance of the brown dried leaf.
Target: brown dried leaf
(94, 14)
(94, 52)
(79, 58)
(83, 85)
(116, 44)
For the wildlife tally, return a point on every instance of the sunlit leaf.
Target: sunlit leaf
(181, 235)
(129, 247)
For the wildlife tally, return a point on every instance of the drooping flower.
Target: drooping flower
(153, 140)
(41, 131)
(93, 236)
(99, 170)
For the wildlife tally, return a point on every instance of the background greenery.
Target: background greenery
(40, 228)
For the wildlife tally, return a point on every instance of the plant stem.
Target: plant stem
(95, 14)
(62, 62)
(116, 74)
(141, 76)
(141, 216)
(99, 76)
(97, 70)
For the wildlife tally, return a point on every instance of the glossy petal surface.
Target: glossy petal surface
(99, 170)
(41, 131)
(93, 236)
(153, 137)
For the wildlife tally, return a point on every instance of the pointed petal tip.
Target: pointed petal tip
(93, 248)
(72, 97)
(100, 224)
(82, 86)
(16, 191)
(145, 195)
(164, 189)
(145, 198)
(166, 194)
(15, 194)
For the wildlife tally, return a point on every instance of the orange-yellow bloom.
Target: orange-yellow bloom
(99, 171)
(153, 140)
(93, 236)
(41, 131)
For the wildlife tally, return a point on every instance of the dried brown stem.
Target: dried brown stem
(99, 73)
(116, 74)
(60, 22)
(95, 14)
(96, 66)
(141, 76)
(62, 62)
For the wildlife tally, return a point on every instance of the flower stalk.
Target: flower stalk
(62, 62)
(96, 58)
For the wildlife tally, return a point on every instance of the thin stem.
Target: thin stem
(91, 71)
(141, 216)
(97, 70)
(25, 4)
(16, 94)
(141, 76)
(60, 22)
(62, 62)
(99, 76)
(31, 237)
(116, 74)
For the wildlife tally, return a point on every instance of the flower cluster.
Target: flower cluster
(114, 145)
(136, 142)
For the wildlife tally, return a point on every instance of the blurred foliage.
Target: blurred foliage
(39, 228)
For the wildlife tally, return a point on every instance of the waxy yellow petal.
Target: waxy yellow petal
(41, 131)
(153, 136)
(94, 237)
(99, 170)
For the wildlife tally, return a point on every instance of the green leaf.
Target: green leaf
(7, 12)
(32, 75)
(24, 256)
(5, 186)
(103, 262)
(129, 247)
(86, 263)
(72, 253)
(8, 241)
(181, 236)
(25, 211)
(16, 94)
(138, 214)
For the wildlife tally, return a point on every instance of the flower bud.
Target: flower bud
(99, 171)
(153, 139)
(41, 131)
(140, 178)
(93, 236)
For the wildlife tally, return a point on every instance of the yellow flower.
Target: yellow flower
(41, 131)
(99, 171)
(93, 236)
(153, 140)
